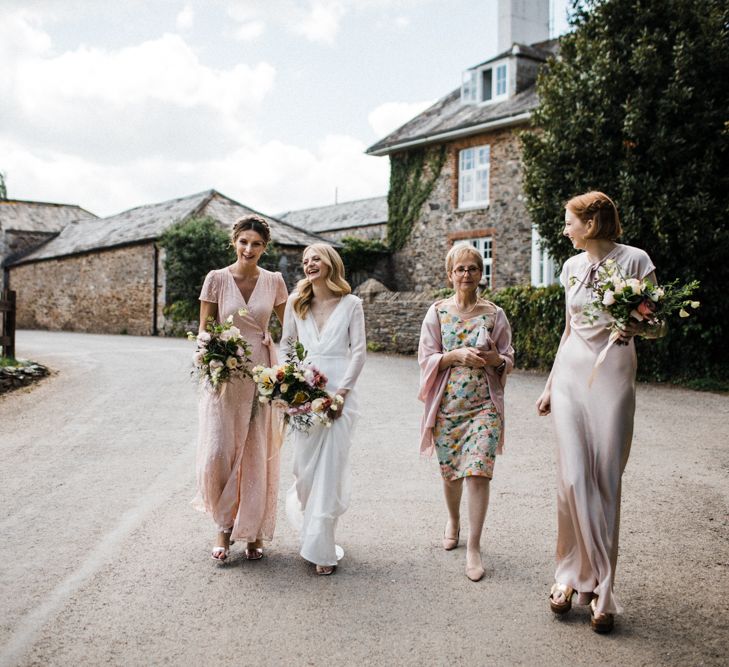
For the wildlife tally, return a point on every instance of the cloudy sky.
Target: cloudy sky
(115, 104)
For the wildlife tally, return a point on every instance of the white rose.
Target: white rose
(317, 405)
(226, 335)
(231, 362)
(635, 285)
(203, 336)
(197, 358)
(608, 299)
(216, 365)
(234, 332)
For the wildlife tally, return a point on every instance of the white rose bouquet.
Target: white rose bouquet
(631, 299)
(628, 300)
(221, 355)
(298, 389)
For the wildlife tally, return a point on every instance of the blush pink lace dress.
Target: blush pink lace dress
(238, 449)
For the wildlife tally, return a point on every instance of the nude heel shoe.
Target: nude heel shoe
(450, 543)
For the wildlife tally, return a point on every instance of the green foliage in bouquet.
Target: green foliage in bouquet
(635, 105)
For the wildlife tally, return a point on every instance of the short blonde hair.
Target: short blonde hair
(460, 250)
(598, 208)
(335, 280)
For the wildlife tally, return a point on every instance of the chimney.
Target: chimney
(522, 21)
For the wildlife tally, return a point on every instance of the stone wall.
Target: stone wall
(109, 291)
(419, 265)
(393, 319)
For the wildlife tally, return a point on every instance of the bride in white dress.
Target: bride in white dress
(328, 320)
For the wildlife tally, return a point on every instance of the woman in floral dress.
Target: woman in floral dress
(237, 455)
(465, 355)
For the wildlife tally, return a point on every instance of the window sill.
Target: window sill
(470, 209)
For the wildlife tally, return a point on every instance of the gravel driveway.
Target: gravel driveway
(104, 562)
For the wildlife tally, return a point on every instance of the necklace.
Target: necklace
(462, 309)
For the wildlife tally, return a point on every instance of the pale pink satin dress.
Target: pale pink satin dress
(238, 447)
(594, 426)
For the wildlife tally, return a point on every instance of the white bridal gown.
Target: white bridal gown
(321, 490)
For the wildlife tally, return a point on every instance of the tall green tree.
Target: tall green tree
(637, 105)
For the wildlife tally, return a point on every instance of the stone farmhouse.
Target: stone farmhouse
(107, 275)
(27, 224)
(477, 197)
(361, 218)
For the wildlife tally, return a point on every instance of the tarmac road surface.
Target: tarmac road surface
(104, 562)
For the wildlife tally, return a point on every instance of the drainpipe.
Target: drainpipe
(155, 288)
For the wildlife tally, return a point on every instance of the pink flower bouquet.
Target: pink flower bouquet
(298, 389)
(221, 355)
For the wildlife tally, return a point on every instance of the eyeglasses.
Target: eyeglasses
(461, 271)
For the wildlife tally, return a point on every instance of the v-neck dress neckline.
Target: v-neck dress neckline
(329, 319)
(253, 291)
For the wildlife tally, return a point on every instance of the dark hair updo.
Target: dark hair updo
(253, 222)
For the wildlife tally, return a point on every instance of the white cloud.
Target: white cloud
(249, 30)
(391, 115)
(155, 97)
(320, 22)
(110, 129)
(185, 18)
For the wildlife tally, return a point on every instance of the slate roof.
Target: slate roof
(147, 223)
(449, 118)
(347, 215)
(36, 216)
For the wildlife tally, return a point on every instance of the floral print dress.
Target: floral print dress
(467, 428)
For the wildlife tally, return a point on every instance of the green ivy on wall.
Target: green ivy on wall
(412, 177)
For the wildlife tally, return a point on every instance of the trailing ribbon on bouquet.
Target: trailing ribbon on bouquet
(614, 336)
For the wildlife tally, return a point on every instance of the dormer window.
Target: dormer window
(485, 84)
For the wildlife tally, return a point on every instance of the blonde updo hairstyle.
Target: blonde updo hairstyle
(334, 281)
(458, 252)
(255, 223)
(598, 208)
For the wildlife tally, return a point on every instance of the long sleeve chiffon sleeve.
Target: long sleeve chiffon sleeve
(357, 347)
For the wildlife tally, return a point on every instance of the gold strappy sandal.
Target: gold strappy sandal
(600, 622)
(561, 607)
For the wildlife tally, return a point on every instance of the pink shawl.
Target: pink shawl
(433, 382)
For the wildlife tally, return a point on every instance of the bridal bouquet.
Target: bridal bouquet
(221, 355)
(298, 389)
(626, 299)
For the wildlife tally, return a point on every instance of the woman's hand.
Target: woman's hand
(491, 357)
(472, 357)
(632, 328)
(544, 402)
(336, 414)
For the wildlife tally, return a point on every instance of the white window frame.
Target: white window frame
(501, 82)
(469, 86)
(543, 264)
(474, 174)
(485, 245)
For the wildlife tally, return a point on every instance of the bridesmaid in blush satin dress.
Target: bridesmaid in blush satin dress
(329, 322)
(593, 422)
(238, 449)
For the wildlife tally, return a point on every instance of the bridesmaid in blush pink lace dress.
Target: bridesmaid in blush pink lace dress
(593, 421)
(238, 448)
